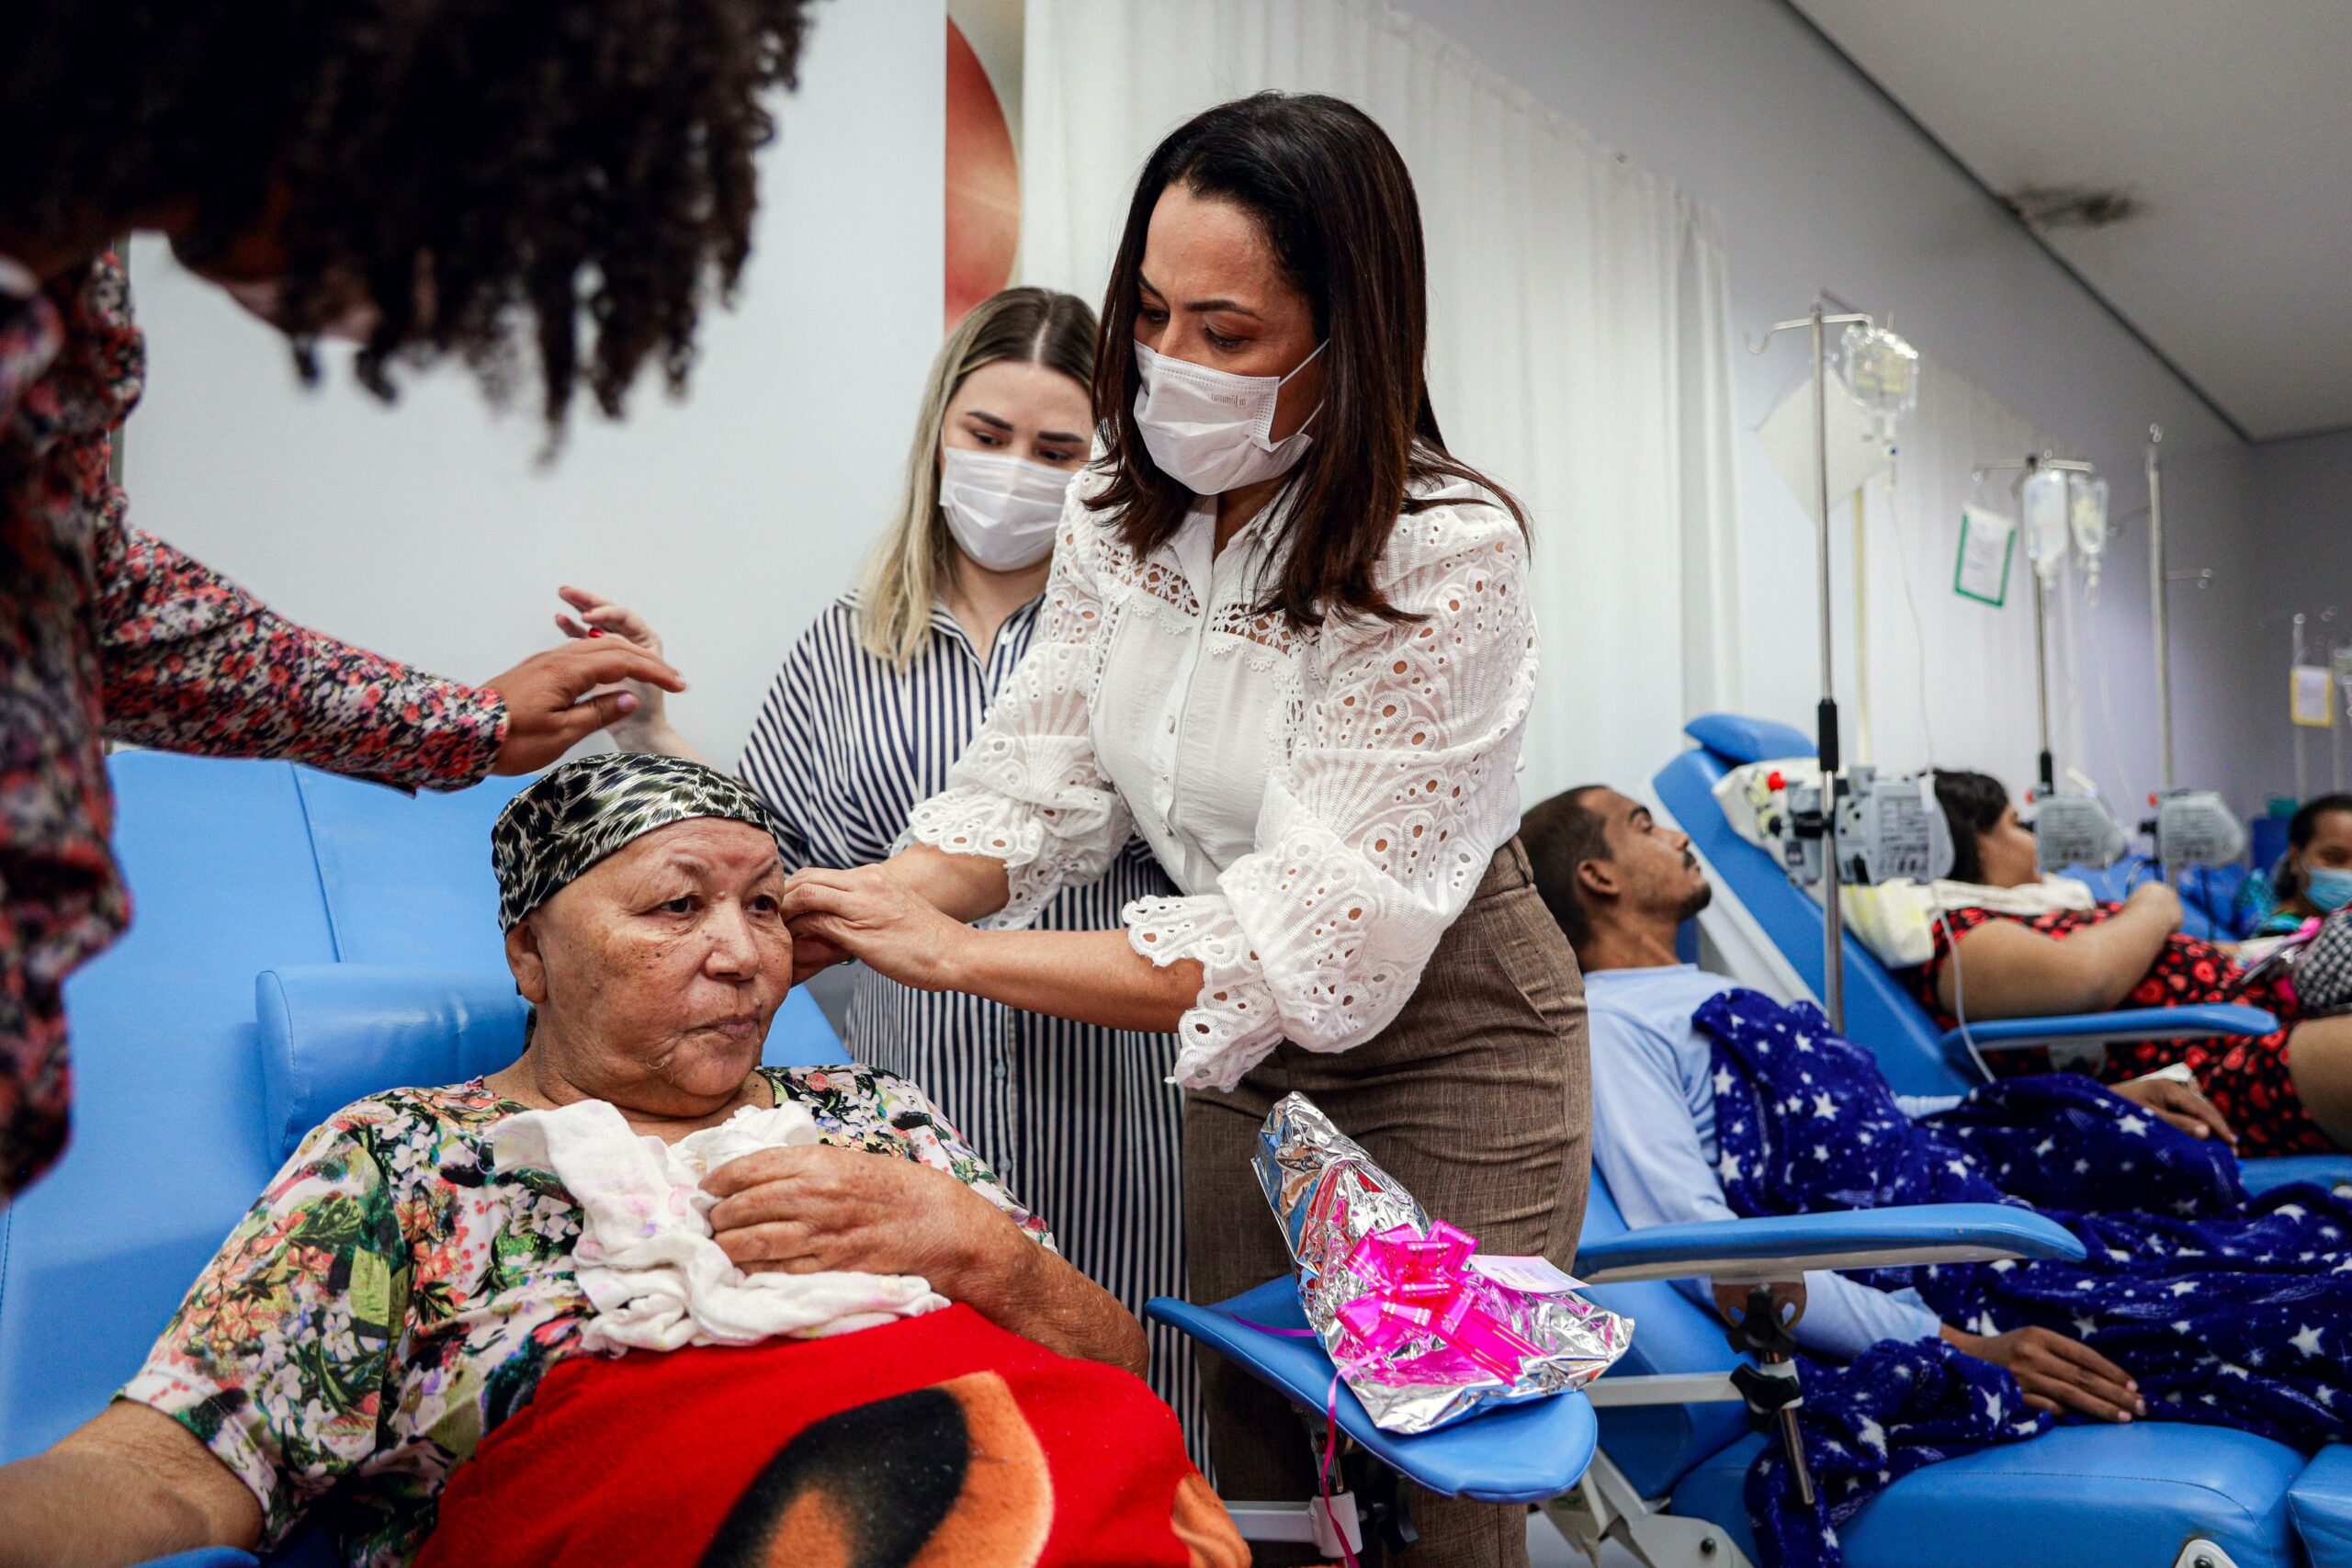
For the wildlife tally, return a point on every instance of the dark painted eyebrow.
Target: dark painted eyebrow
(1641, 814)
(1203, 307)
(994, 423)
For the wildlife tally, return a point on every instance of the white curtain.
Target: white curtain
(1976, 704)
(1579, 323)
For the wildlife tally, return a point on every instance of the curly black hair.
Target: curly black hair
(576, 177)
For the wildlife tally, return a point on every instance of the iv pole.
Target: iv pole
(1833, 923)
(2157, 582)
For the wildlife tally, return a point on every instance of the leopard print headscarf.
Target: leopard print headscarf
(572, 817)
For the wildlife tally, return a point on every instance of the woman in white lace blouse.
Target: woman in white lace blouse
(1287, 640)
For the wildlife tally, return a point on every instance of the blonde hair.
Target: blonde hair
(902, 578)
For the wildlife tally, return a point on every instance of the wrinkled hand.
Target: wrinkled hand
(602, 617)
(2180, 1104)
(817, 1207)
(546, 715)
(2157, 896)
(866, 914)
(2057, 1373)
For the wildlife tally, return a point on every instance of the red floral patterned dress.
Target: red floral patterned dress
(2246, 1079)
(106, 634)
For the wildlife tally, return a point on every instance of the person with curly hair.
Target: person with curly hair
(564, 186)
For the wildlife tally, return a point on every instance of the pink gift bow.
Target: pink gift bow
(1425, 1286)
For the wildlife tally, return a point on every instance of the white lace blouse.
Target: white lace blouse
(1326, 800)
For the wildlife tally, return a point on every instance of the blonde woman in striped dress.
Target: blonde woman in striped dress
(872, 705)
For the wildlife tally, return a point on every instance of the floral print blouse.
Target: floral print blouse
(109, 634)
(392, 1298)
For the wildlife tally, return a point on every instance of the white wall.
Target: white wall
(429, 531)
(1820, 185)
(2302, 529)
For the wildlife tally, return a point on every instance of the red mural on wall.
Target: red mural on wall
(983, 183)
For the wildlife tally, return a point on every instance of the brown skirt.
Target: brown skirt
(1478, 1099)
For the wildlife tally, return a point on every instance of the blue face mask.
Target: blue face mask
(2328, 889)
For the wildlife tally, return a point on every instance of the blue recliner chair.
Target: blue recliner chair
(370, 920)
(1917, 1057)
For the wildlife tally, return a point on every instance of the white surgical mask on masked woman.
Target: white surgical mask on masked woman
(1002, 510)
(1209, 430)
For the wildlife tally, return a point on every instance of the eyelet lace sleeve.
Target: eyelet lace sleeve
(1399, 788)
(1027, 790)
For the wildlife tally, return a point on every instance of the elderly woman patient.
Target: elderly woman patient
(396, 1339)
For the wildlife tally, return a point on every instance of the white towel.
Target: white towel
(646, 1258)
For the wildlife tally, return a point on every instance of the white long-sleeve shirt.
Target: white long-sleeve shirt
(1654, 1139)
(1325, 799)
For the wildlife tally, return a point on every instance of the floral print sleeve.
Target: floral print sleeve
(194, 663)
(858, 1107)
(109, 634)
(279, 1358)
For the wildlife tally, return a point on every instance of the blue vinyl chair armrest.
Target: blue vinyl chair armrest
(1513, 1453)
(2110, 1028)
(1783, 1248)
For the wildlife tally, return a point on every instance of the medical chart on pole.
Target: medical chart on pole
(1987, 542)
(2310, 690)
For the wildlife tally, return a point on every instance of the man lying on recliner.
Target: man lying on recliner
(1709, 1102)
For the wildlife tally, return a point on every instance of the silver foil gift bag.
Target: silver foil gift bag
(1424, 1329)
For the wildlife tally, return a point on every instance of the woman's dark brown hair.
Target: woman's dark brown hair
(567, 185)
(1973, 804)
(1326, 188)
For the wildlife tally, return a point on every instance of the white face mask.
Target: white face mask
(1002, 510)
(1209, 430)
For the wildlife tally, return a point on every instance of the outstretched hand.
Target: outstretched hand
(549, 708)
(647, 727)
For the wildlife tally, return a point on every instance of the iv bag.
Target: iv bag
(2087, 517)
(2046, 522)
(1882, 373)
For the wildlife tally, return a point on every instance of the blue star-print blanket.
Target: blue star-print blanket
(2226, 1310)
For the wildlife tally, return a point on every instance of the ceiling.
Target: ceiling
(2225, 126)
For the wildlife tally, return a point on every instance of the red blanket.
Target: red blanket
(936, 1441)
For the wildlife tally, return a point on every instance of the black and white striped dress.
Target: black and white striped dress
(1080, 1121)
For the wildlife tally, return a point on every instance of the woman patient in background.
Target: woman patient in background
(2287, 1092)
(2315, 876)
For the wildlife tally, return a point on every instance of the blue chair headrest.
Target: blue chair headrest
(1738, 739)
(332, 1033)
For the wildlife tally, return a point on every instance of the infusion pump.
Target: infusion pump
(2192, 827)
(1885, 829)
